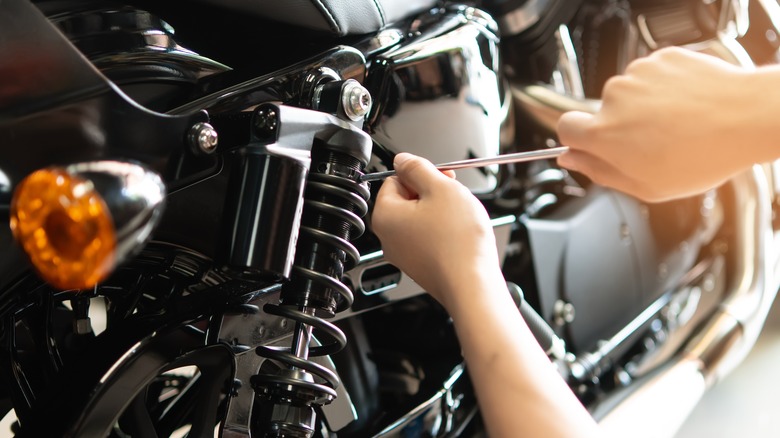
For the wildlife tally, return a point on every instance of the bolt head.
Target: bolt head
(356, 100)
(204, 137)
(265, 122)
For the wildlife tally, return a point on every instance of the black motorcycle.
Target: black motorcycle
(187, 247)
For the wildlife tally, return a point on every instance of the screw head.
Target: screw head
(204, 137)
(356, 100)
(563, 312)
(265, 122)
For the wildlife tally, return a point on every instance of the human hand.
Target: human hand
(432, 228)
(677, 123)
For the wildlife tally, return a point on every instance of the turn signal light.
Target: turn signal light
(65, 227)
(79, 222)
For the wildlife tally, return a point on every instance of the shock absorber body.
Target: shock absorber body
(330, 153)
(333, 204)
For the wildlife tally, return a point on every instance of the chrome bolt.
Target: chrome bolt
(204, 137)
(563, 312)
(356, 100)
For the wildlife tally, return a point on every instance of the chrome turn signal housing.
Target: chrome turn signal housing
(77, 223)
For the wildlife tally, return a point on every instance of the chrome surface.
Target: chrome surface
(517, 157)
(292, 85)
(439, 95)
(356, 100)
(248, 330)
(117, 37)
(434, 416)
(514, 22)
(566, 76)
(588, 364)
(203, 137)
(546, 105)
(723, 341)
(671, 389)
(134, 196)
(735, 17)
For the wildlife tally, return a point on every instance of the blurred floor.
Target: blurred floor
(746, 404)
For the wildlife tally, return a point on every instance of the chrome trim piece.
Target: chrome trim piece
(568, 66)
(134, 196)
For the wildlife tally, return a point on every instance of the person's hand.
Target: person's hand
(677, 123)
(433, 228)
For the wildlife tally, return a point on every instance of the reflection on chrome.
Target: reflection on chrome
(447, 101)
(437, 415)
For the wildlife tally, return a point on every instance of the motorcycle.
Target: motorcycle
(187, 246)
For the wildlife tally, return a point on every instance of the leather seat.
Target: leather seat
(338, 17)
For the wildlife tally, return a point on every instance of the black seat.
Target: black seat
(338, 17)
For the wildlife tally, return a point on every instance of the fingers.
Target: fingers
(386, 205)
(602, 173)
(574, 129)
(417, 174)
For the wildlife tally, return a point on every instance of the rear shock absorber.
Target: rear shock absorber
(333, 205)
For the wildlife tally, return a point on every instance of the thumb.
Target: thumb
(416, 173)
(574, 129)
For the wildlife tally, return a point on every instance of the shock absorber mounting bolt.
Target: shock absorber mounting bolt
(356, 100)
(203, 137)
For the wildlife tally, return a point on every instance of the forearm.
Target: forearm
(519, 391)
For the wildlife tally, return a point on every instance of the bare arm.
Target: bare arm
(432, 228)
(676, 123)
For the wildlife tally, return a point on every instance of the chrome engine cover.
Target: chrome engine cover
(440, 93)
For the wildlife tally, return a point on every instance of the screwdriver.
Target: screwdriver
(517, 157)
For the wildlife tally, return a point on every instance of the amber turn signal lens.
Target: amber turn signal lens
(65, 228)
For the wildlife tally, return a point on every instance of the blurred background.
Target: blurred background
(747, 402)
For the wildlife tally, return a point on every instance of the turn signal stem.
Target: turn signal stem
(77, 223)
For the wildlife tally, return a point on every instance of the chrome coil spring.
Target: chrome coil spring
(334, 203)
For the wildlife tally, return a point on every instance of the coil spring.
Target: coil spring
(334, 203)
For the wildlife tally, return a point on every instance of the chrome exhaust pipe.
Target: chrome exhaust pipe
(662, 400)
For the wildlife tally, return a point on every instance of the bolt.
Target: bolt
(266, 121)
(563, 312)
(356, 100)
(203, 137)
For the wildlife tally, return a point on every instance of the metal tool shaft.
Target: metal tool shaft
(517, 157)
